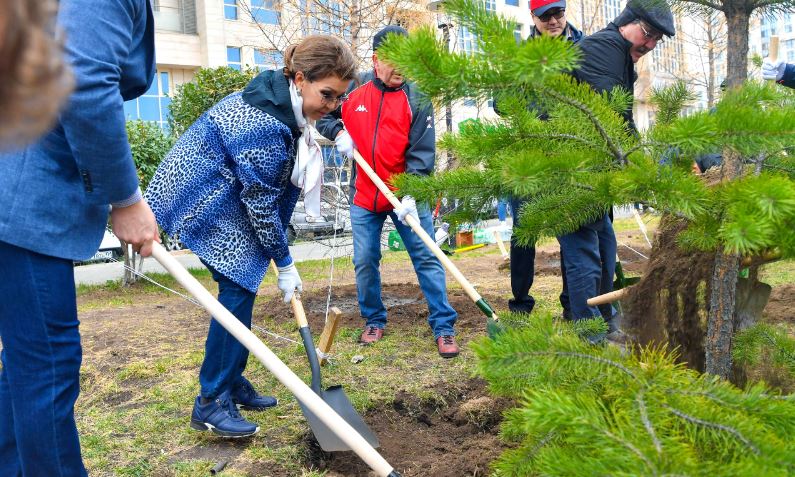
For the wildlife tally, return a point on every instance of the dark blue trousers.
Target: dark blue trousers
(224, 357)
(522, 269)
(589, 258)
(41, 357)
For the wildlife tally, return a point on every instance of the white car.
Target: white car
(109, 249)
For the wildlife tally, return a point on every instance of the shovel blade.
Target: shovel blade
(336, 398)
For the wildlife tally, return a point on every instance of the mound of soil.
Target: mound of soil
(781, 307)
(452, 439)
(404, 302)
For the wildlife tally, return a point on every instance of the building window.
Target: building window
(230, 9)
(467, 41)
(328, 17)
(517, 32)
(153, 105)
(233, 57)
(512, 3)
(491, 5)
(267, 59)
(612, 9)
(264, 11)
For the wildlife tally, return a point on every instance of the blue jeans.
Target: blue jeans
(589, 266)
(40, 380)
(224, 357)
(367, 227)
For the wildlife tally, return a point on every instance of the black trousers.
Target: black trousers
(522, 269)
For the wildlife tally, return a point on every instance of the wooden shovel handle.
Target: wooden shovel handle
(501, 245)
(423, 235)
(329, 332)
(608, 297)
(772, 49)
(280, 371)
(295, 302)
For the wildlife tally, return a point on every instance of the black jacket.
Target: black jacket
(573, 35)
(606, 63)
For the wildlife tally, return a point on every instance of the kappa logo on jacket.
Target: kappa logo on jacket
(361, 109)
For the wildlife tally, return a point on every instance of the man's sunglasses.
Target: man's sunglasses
(557, 14)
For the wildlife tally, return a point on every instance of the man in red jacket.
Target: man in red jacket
(392, 126)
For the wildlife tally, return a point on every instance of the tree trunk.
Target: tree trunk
(711, 34)
(737, 19)
(723, 299)
(720, 324)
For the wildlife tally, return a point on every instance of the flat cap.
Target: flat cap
(656, 13)
(382, 34)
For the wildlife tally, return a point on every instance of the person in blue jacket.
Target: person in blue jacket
(228, 188)
(779, 71)
(55, 196)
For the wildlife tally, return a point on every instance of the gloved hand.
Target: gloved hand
(289, 281)
(345, 144)
(407, 207)
(773, 70)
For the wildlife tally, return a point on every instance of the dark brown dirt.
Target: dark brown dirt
(781, 307)
(404, 302)
(667, 305)
(428, 439)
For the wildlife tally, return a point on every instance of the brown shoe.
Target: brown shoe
(370, 335)
(447, 346)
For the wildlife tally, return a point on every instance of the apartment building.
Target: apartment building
(191, 34)
(664, 65)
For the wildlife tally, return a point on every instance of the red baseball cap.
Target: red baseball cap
(539, 7)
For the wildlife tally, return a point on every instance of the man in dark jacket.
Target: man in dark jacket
(609, 58)
(549, 18)
(392, 127)
(779, 71)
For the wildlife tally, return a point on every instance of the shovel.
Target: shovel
(334, 396)
(493, 326)
(280, 371)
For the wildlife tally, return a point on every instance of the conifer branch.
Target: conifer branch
(575, 354)
(615, 149)
(634, 449)
(713, 425)
(561, 136)
(644, 417)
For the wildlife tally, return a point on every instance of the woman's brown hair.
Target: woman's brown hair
(34, 81)
(318, 57)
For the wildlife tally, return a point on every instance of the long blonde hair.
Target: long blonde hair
(34, 81)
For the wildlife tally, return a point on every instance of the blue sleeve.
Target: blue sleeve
(99, 37)
(261, 167)
(788, 79)
(421, 154)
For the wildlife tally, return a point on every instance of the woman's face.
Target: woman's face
(321, 96)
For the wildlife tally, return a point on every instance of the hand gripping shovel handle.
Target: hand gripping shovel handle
(272, 362)
(429, 242)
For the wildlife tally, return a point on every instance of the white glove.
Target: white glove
(407, 207)
(345, 144)
(773, 70)
(289, 281)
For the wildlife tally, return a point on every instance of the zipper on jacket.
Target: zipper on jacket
(375, 137)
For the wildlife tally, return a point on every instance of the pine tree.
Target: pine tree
(587, 410)
(574, 165)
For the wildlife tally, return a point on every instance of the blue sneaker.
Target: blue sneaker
(245, 397)
(221, 417)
